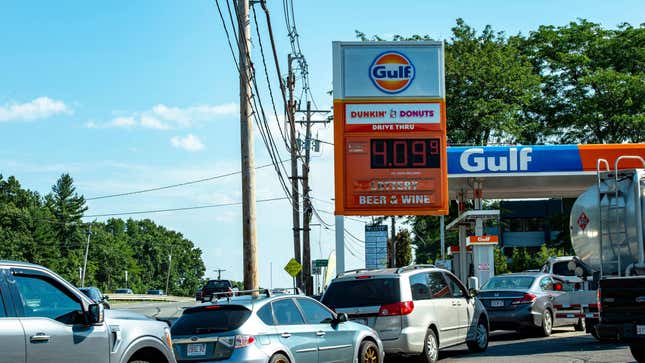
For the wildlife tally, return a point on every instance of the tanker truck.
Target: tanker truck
(607, 229)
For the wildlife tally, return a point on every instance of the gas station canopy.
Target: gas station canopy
(542, 171)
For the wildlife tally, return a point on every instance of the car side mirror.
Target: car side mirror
(340, 318)
(105, 297)
(95, 314)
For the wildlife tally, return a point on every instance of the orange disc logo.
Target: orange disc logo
(392, 72)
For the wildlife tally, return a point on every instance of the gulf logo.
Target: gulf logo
(392, 72)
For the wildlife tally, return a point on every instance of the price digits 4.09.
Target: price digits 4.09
(405, 153)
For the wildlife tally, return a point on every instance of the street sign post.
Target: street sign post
(376, 246)
(293, 267)
(390, 128)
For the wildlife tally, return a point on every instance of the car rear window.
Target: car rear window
(219, 284)
(509, 282)
(562, 269)
(210, 319)
(364, 292)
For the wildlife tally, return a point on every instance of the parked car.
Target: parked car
(95, 294)
(271, 328)
(214, 287)
(522, 301)
(416, 310)
(155, 292)
(123, 291)
(44, 318)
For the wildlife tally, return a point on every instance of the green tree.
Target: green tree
(593, 82)
(67, 208)
(403, 248)
(501, 266)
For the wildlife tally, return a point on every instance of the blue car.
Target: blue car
(271, 328)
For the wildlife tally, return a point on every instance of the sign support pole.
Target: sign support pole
(340, 244)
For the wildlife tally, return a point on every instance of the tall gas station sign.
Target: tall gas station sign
(390, 128)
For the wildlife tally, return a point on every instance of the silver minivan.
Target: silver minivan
(416, 309)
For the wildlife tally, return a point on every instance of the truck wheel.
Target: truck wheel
(580, 326)
(638, 351)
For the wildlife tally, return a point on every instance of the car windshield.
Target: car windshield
(210, 319)
(92, 294)
(509, 282)
(364, 292)
(219, 284)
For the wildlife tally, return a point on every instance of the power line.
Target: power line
(181, 209)
(177, 185)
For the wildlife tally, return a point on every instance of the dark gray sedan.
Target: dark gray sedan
(527, 301)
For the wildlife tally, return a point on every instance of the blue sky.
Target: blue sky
(134, 95)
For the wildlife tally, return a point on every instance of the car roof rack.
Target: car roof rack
(355, 271)
(266, 292)
(414, 267)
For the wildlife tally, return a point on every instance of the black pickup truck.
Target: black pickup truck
(622, 312)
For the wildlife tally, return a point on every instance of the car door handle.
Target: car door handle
(39, 338)
(320, 333)
(286, 335)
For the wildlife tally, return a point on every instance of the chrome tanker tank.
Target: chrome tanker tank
(608, 226)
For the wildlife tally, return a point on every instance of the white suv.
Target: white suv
(416, 309)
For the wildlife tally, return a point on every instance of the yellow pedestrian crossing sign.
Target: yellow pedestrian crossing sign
(293, 267)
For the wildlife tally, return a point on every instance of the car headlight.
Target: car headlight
(167, 337)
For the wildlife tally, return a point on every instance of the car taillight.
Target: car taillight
(526, 299)
(599, 297)
(400, 308)
(242, 341)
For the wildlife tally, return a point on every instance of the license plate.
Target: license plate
(195, 350)
(497, 303)
(640, 329)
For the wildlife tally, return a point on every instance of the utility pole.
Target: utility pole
(250, 260)
(169, 267)
(87, 251)
(295, 195)
(307, 207)
(393, 241)
(219, 273)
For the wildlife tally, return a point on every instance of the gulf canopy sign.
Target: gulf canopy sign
(390, 128)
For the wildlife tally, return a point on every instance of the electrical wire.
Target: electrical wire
(181, 209)
(177, 185)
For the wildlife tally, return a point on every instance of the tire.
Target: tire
(430, 347)
(594, 333)
(480, 344)
(368, 352)
(279, 358)
(547, 323)
(581, 325)
(638, 351)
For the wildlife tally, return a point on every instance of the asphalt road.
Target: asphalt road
(564, 346)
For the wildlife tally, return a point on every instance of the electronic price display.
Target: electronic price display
(390, 129)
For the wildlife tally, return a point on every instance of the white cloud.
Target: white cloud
(163, 117)
(189, 143)
(153, 123)
(38, 108)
